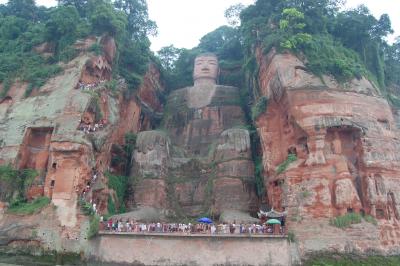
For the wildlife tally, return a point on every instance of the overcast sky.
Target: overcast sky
(183, 22)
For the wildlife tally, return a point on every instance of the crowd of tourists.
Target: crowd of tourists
(90, 86)
(88, 128)
(132, 226)
(85, 193)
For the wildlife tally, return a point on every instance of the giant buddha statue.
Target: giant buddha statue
(208, 163)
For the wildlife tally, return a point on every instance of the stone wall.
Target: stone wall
(190, 250)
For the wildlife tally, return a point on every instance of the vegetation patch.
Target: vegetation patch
(173, 201)
(129, 147)
(291, 237)
(14, 183)
(86, 207)
(33, 39)
(47, 258)
(346, 44)
(283, 166)
(111, 85)
(305, 194)
(350, 260)
(324, 55)
(259, 108)
(111, 206)
(370, 219)
(394, 100)
(25, 208)
(259, 179)
(346, 220)
(119, 184)
(94, 223)
(96, 48)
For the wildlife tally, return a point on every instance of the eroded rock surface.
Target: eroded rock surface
(49, 131)
(346, 142)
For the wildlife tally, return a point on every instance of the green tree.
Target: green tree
(62, 23)
(133, 61)
(12, 27)
(80, 5)
(292, 26)
(224, 42)
(105, 19)
(392, 69)
(168, 56)
(181, 76)
(25, 9)
(359, 30)
(318, 14)
(232, 14)
(139, 25)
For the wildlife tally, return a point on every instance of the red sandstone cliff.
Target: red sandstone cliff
(49, 131)
(344, 136)
(346, 142)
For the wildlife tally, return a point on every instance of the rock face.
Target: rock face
(346, 142)
(49, 131)
(150, 161)
(327, 149)
(205, 163)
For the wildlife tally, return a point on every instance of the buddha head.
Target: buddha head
(206, 69)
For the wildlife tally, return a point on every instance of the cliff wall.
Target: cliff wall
(345, 140)
(67, 131)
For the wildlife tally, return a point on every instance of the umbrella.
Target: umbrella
(273, 221)
(205, 220)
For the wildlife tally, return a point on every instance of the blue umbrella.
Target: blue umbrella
(205, 220)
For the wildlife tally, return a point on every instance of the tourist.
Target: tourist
(120, 226)
(232, 228)
(270, 230)
(109, 224)
(182, 228)
(213, 229)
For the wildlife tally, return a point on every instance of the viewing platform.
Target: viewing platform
(186, 235)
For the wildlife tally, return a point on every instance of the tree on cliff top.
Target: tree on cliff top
(139, 25)
(23, 26)
(353, 39)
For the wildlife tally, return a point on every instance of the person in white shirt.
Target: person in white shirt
(213, 229)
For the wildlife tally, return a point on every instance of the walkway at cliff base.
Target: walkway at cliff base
(146, 248)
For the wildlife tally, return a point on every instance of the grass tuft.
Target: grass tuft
(93, 226)
(350, 260)
(346, 220)
(26, 208)
(283, 166)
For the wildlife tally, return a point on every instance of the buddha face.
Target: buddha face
(205, 67)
